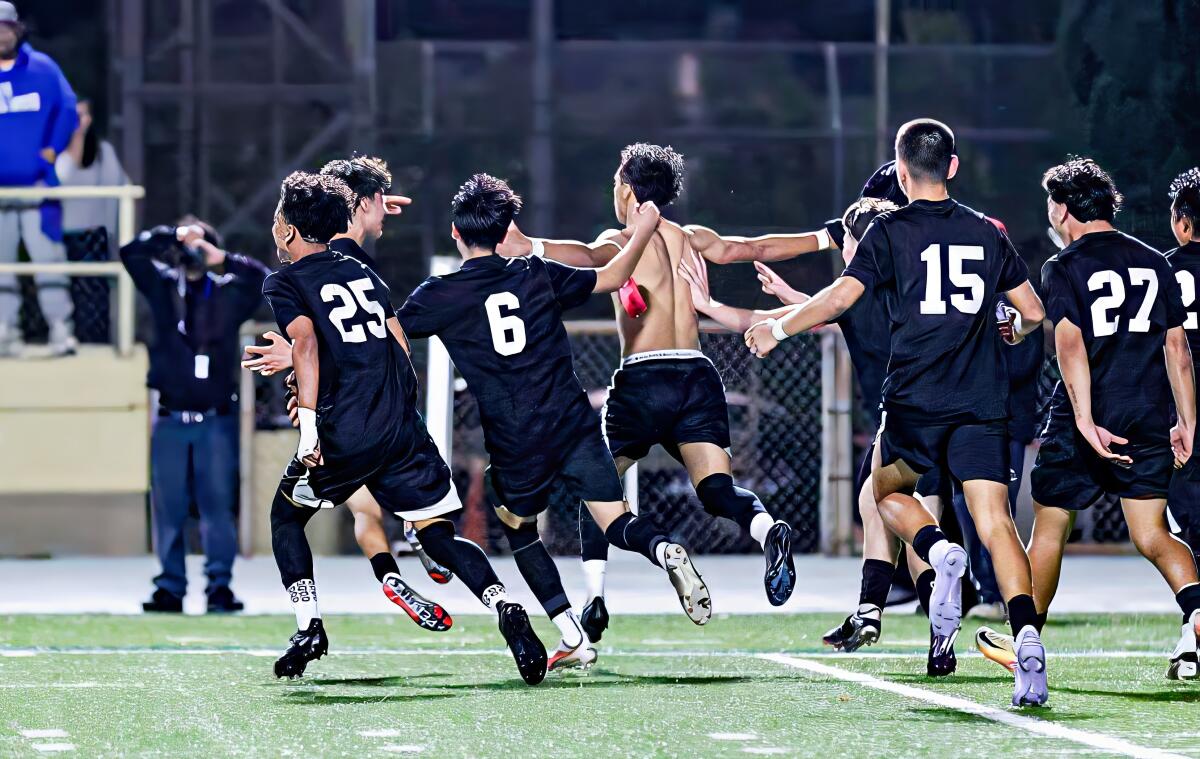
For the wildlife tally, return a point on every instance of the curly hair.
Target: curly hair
(365, 175)
(1087, 190)
(654, 172)
(862, 212)
(482, 209)
(1185, 196)
(318, 206)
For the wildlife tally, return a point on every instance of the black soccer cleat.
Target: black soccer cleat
(163, 602)
(306, 645)
(594, 619)
(941, 661)
(523, 642)
(862, 628)
(780, 577)
(222, 601)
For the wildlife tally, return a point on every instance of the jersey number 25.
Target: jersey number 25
(349, 308)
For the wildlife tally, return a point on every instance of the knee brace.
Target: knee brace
(721, 498)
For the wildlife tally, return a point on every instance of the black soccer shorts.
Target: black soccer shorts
(665, 398)
(587, 472)
(1068, 474)
(969, 451)
(1183, 497)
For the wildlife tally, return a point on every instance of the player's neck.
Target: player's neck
(355, 233)
(306, 250)
(1079, 229)
(927, 191)
(470, 253)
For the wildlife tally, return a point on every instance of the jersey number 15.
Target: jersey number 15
(969, 303)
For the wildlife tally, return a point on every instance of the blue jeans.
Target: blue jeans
(197, 463)
(982, 573)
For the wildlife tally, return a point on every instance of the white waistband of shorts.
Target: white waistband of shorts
(674, 354)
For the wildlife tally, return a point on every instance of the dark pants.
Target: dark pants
(194, 462)
(982, 572)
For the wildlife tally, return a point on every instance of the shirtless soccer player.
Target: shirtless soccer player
(666, 391)
(945, 396)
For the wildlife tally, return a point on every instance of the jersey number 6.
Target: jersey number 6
(502, 325)
(348, 309)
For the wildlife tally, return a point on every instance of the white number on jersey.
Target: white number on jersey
(502, 326)
(933, 302)
(349, 308)
(1187, 283)
(1102, 324)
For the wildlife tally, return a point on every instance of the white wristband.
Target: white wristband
(777, 330)
(824, 241)
(538, 249)
(308, 431)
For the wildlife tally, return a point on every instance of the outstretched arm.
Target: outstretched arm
(694, 271)
(823, 307)
(616, 272)
(1183, 387)
(724, 249)
(1077, 377)
(581, 255)
(308, 369)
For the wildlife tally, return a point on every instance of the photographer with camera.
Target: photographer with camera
(198, 295)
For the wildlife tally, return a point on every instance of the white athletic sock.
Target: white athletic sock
(937, 552)
(760, 525)
(493, 595)
(593, 575)
(660, 554)
(568, 625)
(304, 602)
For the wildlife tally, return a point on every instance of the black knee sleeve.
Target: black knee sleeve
(293, 555)
(537, 568)
(722, 498)
(593, 546)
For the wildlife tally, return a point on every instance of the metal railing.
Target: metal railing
(125, 195)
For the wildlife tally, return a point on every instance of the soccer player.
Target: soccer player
(945, 395)
(359, 426)
(666, 392)
(501, 322)
(1117, 309)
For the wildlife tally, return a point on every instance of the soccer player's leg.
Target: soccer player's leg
(941, 660)
(371, 537)
(593, 549)
(439, 574)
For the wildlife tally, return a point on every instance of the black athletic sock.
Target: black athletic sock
(876, 581)
(927, 537)
(638, 534)
(1189, 600)
(924, 585)
(721, 498)
(1040, 622)
(593, 546)
(384, 564)
(462, 557)
(289, 544)
(1021, 612)
(538, 569)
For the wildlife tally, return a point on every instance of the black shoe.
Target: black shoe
(306, 645)
(222, 601)
(862, 628)
(941, 660)
(594, 619)
(163, 602)
(780, 578)
(523, 642)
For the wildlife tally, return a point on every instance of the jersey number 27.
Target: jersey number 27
(1102, 324)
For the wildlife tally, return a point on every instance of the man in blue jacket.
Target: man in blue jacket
(37, 117)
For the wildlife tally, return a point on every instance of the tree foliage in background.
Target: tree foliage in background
(1132, 68)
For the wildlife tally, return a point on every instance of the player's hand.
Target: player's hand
(1101, 439)
(515, 243)
(643, 217)
(1181, 444)
(49, 155)
(759, 339)
(1008, 320)
(694, 271)
(292, 401)
(269, 359)
(393, 205)
(309, 449)
(190, 235)
(773, 284)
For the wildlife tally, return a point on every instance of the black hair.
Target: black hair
(653, 172)
(211, 235)
(862, 212)
(364, 175)
(926, 147)
(318, 206)
(1087, 190)
(482, 209)
(1185, 197)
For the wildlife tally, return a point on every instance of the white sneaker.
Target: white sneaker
(1184, 658)
(11, 345)
(62, 342)
(1029, 686)
(689, 586)
(565, 656)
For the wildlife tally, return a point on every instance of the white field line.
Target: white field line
(52, 747)
(51, 733)
(1012, 719)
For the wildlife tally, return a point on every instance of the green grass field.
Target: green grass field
(203, 687)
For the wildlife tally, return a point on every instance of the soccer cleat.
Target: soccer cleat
(163, 601)
(941, 660)
(996, 646)
(306, 645)
(862, 628)
(1184, 658)
(945, 606)
(62, 342)
(222, 601)
(693, 593)
(439, 574)
(594, 619)
(1029, 688)
(424, 612)
(565, 656)
(527, 650)
(780, 577)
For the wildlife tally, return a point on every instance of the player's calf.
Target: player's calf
(439, 574)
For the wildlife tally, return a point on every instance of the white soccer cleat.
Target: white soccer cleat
(945, 606)
(693, 593)
(1029, 686)
(62, 342)
(565, 656)
(1184, 657)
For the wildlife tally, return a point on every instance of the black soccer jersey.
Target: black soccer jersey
(867, 329)
(366, 403)
(1185, 263)
(943, 265)
(501, 321)
(1124, 297)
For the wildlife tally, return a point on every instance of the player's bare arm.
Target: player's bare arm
(1024, 316)
(773, 284)
(724, 249)
(305, 359)
(644, 219)
(1077, 377)
(693, 269)
(269, 359)
(393, 325)
(823, 307)
(571, 252)
(1183, 388)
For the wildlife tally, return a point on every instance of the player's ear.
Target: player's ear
(454, 232)
(953, 167)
